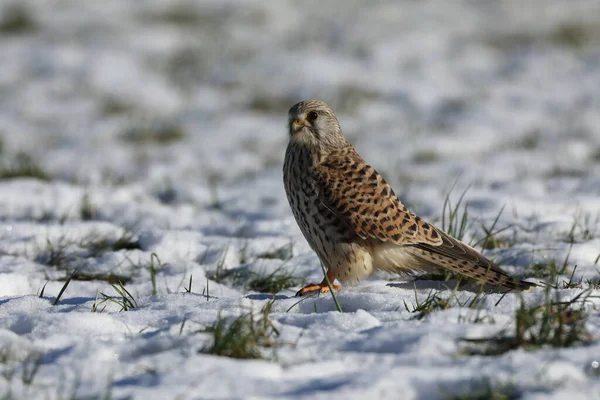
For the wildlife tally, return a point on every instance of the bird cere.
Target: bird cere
(352, 218)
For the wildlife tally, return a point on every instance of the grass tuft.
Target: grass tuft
(490, 239)
(220, 274)
(98, 245)
(55, 254)
(154, 265)
(65, 254)
(159, 134)
(17, 20)
(23, 166)
(284, 252)
(274, 282)
(213, 182)
(179, 16)
(595, 156)
(455, 223)
(125, 300)
(87, 210)
(570, 35)
(575, 35)
(551, 269)
(115, 106)
(483, 389)
(189, 288)
(96, 304)
(571, 284)
(41, 294)
(425, 156)
(584, 227)
(530, 140)
(109, 277)
(554, 323)
(432, 303)
(64, 287)
(243, 337)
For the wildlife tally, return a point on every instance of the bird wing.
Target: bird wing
(356, 193)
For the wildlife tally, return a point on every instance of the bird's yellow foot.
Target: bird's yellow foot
(321, 287)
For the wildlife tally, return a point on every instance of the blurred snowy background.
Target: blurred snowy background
(129, 128)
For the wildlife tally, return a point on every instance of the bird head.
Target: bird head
(313, 124)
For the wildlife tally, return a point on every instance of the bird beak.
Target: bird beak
(296, 125)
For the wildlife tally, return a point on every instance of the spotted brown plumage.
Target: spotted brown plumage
(351, 217)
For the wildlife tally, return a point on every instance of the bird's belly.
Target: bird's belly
(335, 246)
(315, 227)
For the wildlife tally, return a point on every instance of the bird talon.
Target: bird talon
(322, 288)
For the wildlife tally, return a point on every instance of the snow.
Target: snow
(499, 98)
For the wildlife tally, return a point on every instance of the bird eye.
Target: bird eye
(311, 116)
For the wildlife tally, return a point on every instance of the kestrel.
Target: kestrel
(353, 220)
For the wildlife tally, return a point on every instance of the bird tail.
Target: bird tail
(481, 269)
(450, 254)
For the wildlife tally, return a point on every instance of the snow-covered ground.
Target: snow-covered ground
(159, 130)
